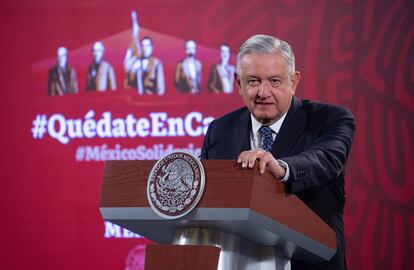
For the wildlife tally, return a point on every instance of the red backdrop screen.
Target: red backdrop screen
(358, 54)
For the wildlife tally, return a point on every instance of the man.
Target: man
(187, 77)
(221, 78)
(143, 71)
(152, 76)
(101, 75)
(301, 143)
(62, 77)
(150, 71)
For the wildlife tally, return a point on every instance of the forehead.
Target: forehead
(61, 52)
(146, 42)
(263, 65)
(224, 48)
(97, 47)
(190, 44)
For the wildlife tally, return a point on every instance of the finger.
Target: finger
(239, 158)
(273, 166)
(242, 159)
(245, 159)
(262, 164)
(252, 157)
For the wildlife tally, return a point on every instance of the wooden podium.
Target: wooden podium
(243, 221)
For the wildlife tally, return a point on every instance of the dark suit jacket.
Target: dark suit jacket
(314, 140)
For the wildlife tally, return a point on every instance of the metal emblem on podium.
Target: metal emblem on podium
(175, 185)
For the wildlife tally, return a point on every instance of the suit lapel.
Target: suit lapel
(291, 129)
(242, 132)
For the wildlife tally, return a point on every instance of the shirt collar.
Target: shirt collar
(275, 126)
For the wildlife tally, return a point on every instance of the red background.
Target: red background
(355, 53)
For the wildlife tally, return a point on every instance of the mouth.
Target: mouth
(262, 103)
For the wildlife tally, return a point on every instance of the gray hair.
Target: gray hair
(264, 44)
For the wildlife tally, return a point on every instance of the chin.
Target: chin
(265, 118)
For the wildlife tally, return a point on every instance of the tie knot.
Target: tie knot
(266, 130)
(267, 140)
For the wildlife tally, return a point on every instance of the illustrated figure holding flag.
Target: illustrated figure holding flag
(144, 72)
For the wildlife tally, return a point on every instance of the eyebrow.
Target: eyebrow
(270, 77)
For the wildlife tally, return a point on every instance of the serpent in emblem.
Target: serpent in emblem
(178, 176)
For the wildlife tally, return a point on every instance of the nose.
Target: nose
(263, 89)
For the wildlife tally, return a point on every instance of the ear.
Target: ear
(238, 81)
(295, 80)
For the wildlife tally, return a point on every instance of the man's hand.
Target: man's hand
(265, 159)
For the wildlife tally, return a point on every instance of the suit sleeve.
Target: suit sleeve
(325, 159)
(213, 80)
(160, 79)
(207, 144)
(74, 82)
(178, 76)
(112, 79)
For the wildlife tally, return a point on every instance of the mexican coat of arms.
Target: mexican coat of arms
(175, 185)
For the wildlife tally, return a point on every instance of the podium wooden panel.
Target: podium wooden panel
(235, 200)
(181, 257)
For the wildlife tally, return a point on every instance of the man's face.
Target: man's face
(224, 53)
(146, 47)
(97, 52)
(265, 86)
(62, 57)
(190, 48)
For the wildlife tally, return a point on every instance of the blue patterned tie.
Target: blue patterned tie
(267, 141)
